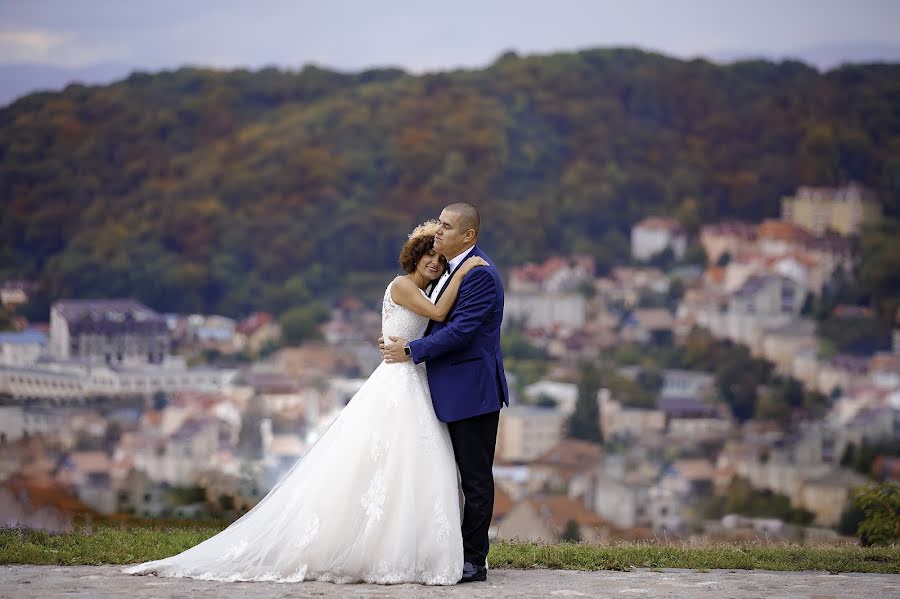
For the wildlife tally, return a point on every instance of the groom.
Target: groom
(465, 374)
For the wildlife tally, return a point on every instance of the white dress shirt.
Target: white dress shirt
(454, 264)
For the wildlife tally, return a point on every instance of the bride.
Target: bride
(375, 499)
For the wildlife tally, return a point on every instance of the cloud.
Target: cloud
(29, 46)
(57, 48)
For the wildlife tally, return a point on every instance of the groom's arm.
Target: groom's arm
(477, 296)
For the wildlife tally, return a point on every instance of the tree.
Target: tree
(294, 293)
(160, 400)
(742, 498)
(848, 458)
(879, 272)
(809, 303)
(587, 289)
(186, 495)
(572, 533)
(584, 423)
(881, 506)
(695, 254)
(250, 436)
(545, 401)
(851, 518)
(664, 259)
(862, 458)
(302, 323)
(674, 294)
(223, 186)
(226, 502)
(771, 406)
(6, 323)
(515, 345)
(737, 377)
(112, 435)
(650, 381)
(724, 259)
(856, 335)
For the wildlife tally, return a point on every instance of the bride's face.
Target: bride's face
(430, 266)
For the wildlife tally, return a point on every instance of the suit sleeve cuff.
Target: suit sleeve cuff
(415, 351)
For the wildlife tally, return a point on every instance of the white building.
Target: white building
(115, 332)
(885, 370)
(177, 459)
(91, 475)
(616, 419)
(732, 238)
(546, 310)
(527, 432)
(19, 349)
(564, 394)
(622, 503)
(12, 424)
(687, 383)
(15, 293)
(77, 380)
(653, 235)
(768, 295)
(557, 274)
(214, 328)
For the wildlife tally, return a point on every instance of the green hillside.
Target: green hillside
(230, 191)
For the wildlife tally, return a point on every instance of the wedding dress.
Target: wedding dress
(375, 499)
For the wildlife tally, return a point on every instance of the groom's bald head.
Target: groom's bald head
(458, 229)
(468, 216)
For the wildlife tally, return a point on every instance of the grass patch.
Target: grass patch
(124, 544)
(719, 556)
(99, 545)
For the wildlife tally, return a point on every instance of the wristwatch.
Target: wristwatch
(406, 350)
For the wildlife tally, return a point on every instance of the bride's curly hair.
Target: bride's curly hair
(420, 241)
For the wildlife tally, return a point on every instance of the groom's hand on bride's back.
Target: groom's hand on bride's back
(394, 351)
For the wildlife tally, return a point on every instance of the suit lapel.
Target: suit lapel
(474, 252)
(444, 288)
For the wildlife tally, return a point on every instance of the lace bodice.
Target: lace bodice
(399, 321)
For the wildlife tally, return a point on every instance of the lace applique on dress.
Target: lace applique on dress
(309, 535)
(373, 500)
(386, 572)
(235, 550)
(441, 523)
(379, 448)
(427, 433)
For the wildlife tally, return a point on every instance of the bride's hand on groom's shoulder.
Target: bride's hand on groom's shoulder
(472, 263)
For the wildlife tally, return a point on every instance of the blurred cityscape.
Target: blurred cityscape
(721, 385)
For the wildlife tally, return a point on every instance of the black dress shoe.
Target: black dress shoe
(473, 573)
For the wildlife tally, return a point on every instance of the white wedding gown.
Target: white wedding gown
(374, 500)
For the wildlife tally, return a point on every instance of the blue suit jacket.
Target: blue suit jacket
(463, 355)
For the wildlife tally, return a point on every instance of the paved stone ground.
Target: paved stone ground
(94, 582)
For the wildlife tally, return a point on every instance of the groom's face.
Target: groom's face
(450, 239)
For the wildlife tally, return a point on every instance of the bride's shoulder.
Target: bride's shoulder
(400, 284)
(402, 289)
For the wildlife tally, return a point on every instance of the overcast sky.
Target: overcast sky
(423, 35)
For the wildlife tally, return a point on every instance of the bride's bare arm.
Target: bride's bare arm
(405, 293)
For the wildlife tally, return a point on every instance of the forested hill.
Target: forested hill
(228, 191)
